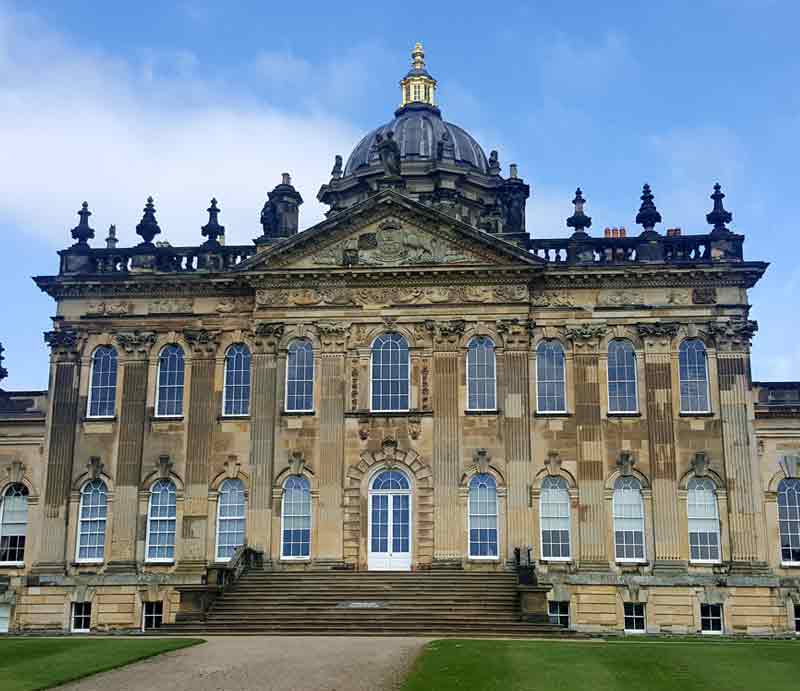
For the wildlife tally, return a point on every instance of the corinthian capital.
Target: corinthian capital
(267, 335)
(64, 342)
(135, 342)
(446, 334)
(202, 342)
(583, 335)
(516, 333)
(735, 334)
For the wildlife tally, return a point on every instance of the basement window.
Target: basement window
(558, 613)
(634, 617)
(81, 617)
(797, 618)
(711, 618)
(152, 615)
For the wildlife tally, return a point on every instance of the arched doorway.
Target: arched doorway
(389, 537)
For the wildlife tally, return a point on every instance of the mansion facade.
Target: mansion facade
(413, 383)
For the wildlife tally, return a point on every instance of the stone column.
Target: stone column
(201, 419)
(515, 407)
(62, 417)
(448, 519)
(329, 464)
(591, 520)
(263, 415)
(661, 435)
(132, 418)
(745, 493)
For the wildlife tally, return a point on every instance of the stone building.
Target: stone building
(413, 383)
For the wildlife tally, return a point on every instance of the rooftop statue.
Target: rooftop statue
(389, 153)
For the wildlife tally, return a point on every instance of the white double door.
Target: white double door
(389, 531)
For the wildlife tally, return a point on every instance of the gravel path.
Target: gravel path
(268, 663)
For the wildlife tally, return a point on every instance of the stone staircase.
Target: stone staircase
(445, 603)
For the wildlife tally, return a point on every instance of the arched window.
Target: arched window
(13, 524)
(103, 382)
(236, 395)
(161, 520)
(170, 382)
(554, 518)
(389, 480)
(550, 379)
(296, 516)
(789, 520)
(483, 517)
(622, 394)
(628, 520)
(93, 513)
(390, 369)
(300, 377)
(481, 378)
(693, 367)
(701, 509)
(230, 519)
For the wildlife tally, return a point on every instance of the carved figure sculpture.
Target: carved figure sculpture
(269, 218)
(389, 153)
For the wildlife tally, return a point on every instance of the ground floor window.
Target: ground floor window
(797, 618)
(634, 617)
(152, 615)
(81, 617)
(558, 613)
(5, 618)
(711, 618)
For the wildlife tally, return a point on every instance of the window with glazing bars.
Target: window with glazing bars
(703, 514)
(296, 542)
(634, 616)
(483, 517)
(558, 613)
(550, 378)
(161, 522)
(152, 615)
(236, 397)
(628, 509)
(300, 377)
(789, 519)
(622, 393)
(103, 382)
(481, 379)
(13, 524)
(554, 518)
(711, 618)
(390, 370)
(693, 368)
(230, 518)
(81, 617)
(92, 517)
(170, 382)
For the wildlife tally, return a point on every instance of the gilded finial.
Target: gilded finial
(418, 86)
(418, 57)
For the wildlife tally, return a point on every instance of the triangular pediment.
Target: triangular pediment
(391, 231)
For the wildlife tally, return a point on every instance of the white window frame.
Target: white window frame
(90, 396)
(711, 632)
(496, 514)
(6, 491)
(558, 615)
(72, 627)
(160, 560)
(612, 411)
(225, 381)
(158, 384)
(5, 618)
(286, 378)
(289, 557)
(493, 356)
(82, 520)
(788, 563)
(680, 379)
(635, 632)
(643, 519)
(690, 518)
(243, 517)
(542, 491)
(371, 362)
(549, 342)
(144, 615)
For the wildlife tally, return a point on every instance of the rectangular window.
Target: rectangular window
(152, 615)
(5, 618)
(634, 617)
(797, 618)
(558, 613)
(711, 618)
(81, 617)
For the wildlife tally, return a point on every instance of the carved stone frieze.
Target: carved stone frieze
(202, 341)
(704, 296)
(734, 334)
(171, 306)
(620, 298)
(516, 332)
(231, 305)
(108, 309)
(552, 299)
(678, 297)
(135, 342)
(446, 334)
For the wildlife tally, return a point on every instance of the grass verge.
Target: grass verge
(39, 663)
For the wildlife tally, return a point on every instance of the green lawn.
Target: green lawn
(624, 665)
(39, 663)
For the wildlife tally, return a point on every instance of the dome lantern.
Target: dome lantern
(418, 86)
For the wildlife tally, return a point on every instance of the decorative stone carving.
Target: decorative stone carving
(582, 334)
(354, 385)
(552, 299)
(363, 428)
(108, 309)
(414, 427)
(736, 333)
(164, 466)
(297, 463)
(625, 463)
(511, 293)
(480, 461)
(231, 305)
(333, 335)
(553, 463)
(620, 298)
(704, 296)
(135, 341)
(202, 341)
(63, 340)
(266, 336)
(171, 306)
(700, 464)
(15, 472)
(790, 466)
(425, 387)
(446, 333)
(516, 332)
(677, 297)
(94, 468)
(660, 330)
(389, 449)
(232, 467)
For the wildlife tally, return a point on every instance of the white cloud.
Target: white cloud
(80, 125)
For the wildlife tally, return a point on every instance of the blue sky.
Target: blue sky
(194, 99)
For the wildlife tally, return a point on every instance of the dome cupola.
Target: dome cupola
(417, 86)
